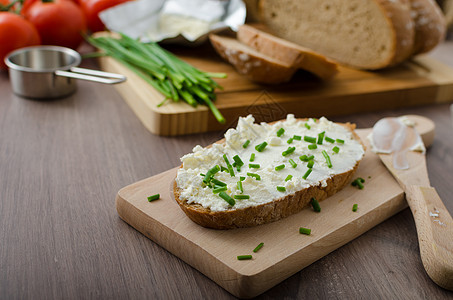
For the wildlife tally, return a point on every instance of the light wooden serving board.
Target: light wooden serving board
(285, 250)
(420, 81)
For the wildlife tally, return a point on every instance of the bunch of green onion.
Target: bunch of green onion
(168, 74)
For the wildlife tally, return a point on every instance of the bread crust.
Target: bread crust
(267, 212)
(287, 52)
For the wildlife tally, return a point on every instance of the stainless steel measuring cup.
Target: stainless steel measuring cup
(50, 71)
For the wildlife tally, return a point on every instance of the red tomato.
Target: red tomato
(15, 32)
(60, 22)
(92, 8)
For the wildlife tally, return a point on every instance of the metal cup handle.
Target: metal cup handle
(92, 75)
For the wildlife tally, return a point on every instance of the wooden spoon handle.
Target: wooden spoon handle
(435, 233)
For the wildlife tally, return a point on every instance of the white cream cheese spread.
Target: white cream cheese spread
(284, 162)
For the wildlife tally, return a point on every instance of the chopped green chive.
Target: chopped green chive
(260, 147)
(309, 139)
(358, 182)
(288, 177)
(244, 257)
(321, 137)
(218, 182)
(336, 149)
(303, 157)
(354, 207)
(293, 164)
(312, 147)
(329, 139)
(307, 174)
(211, 172)
(246, 144)
(241, 197)
(227, 198)
(280, 167)
(219, 189)
(307, 126)
(254, 166)
(288, 151)
(254, 175)
(223, 169)
(289, 141)
(280, 132)
(315, 204)
(339, 141)
(229, 166)
(310, 164)
(239, 185)
(306, 231)
(252, 157)
(281, 189)
(238, 161)
(258, 247)
(311, 157)
(242, 178)
(327, 157)
(297, 137)
(153, 197)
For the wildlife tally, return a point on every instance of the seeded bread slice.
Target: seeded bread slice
(365, 34)
(287, 52)
(268, 212)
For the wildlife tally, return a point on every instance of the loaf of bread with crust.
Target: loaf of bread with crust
(275, 181)
(364, 34)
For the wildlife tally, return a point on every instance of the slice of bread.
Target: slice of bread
(287, 52)
(263, 212)
(254, 65)
(365, 34)
(430, 25)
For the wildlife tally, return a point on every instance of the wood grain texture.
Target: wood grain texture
(62, 163)
(422, 80)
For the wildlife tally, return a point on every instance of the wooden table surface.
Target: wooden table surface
(62, 163)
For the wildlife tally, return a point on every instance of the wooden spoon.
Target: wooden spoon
(433, 221)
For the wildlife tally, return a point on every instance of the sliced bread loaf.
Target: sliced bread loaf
(366, 34)
(225, 186)
(254, 65)
(287, 52)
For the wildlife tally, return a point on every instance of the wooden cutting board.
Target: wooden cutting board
(422, 80)
(285, 250)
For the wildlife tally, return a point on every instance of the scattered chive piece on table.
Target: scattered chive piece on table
(321, 137)
(280, 167)
(310, 164)
(241, 197)
(239, 184)
(354, 207)
(260, 147)
(307, 126)
(306, 231)
(244, 257)
(307, 174)
(218, 182)
(172, 77)
(315, 205)
(219, 189)
(153, 197)
(245, 145)
(238, 160)
(336, 149)
(260, 245)
(289, 141)
(281, 189)
(288, 151)
(327, 157)
(280, 132)
(339, 141)
(309, 139)
(227, 198)
(252, 157)
(254, 166)
(329, 139)
(312, 146)
(293, 164)
(297, 137)
(358, 182)
(288, 177)
(256, 176)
